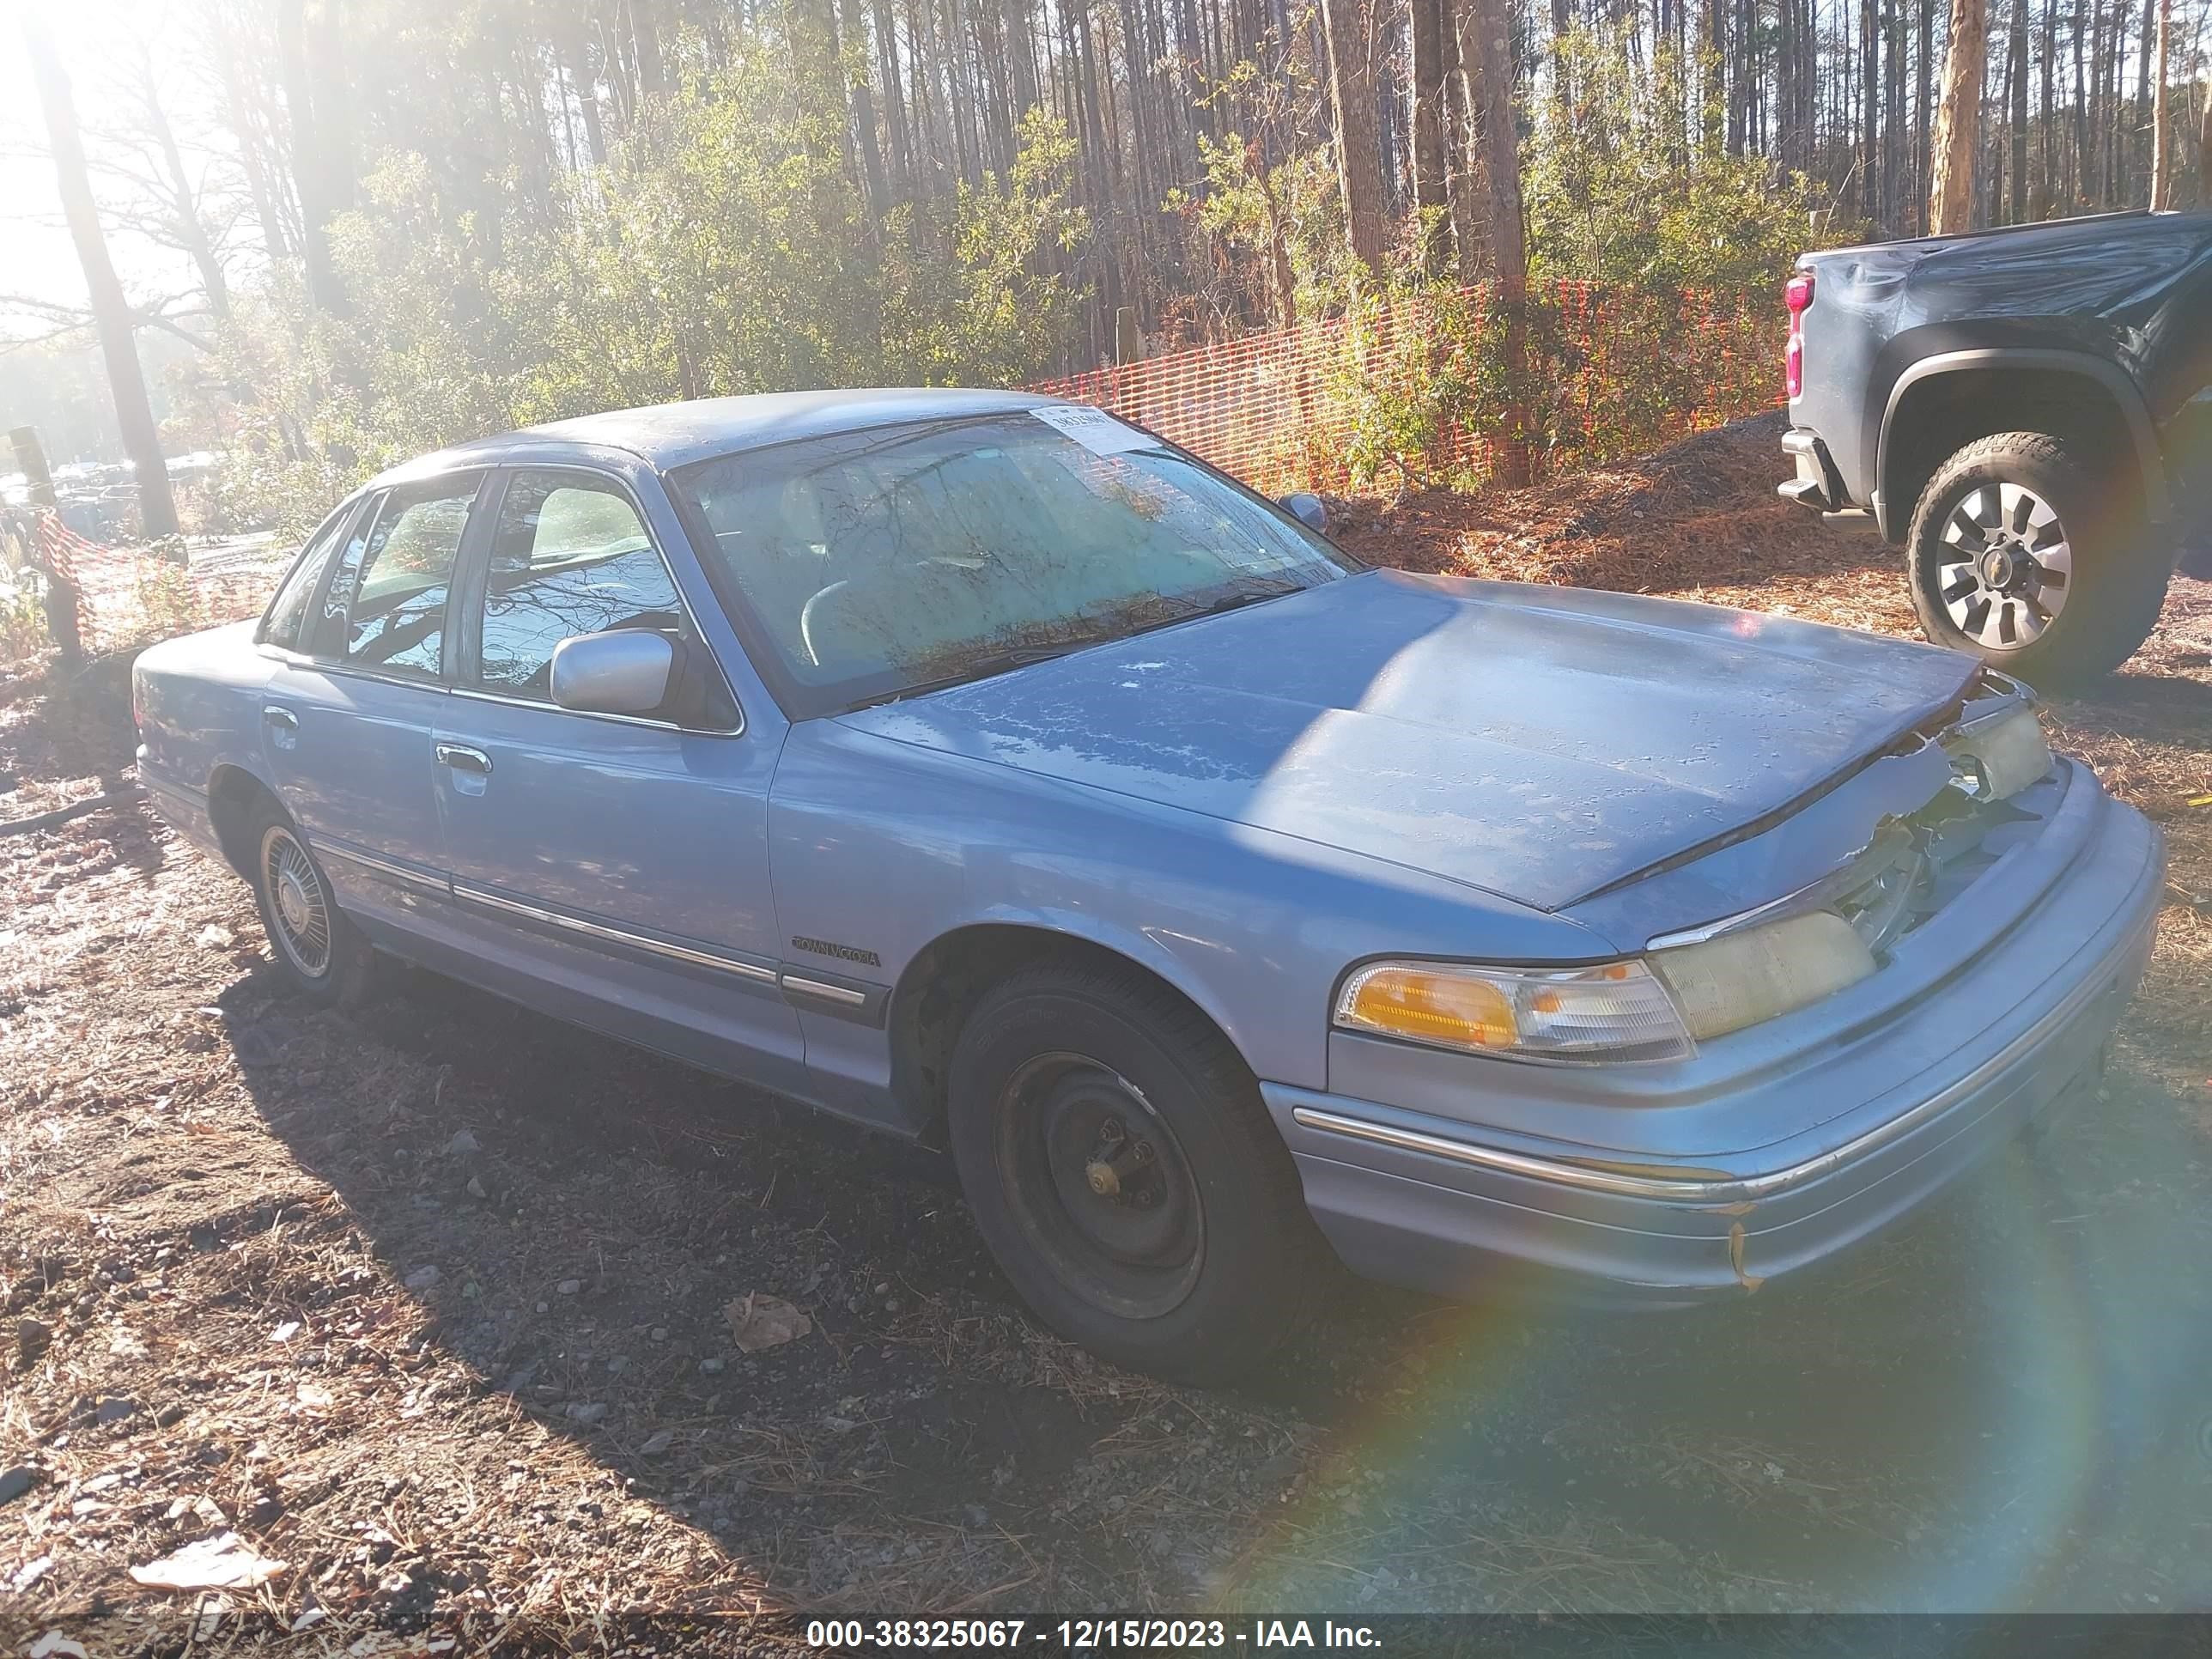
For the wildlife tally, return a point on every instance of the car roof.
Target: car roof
(672, 434)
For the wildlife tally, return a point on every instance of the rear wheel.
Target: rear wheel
(321, 953)
(2024, 554)
(1121, 1167)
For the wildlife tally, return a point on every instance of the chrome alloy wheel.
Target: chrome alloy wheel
(299, 906)
(2006, 567)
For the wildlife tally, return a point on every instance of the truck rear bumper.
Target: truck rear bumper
(1817, 486)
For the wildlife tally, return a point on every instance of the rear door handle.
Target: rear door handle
(462, 758)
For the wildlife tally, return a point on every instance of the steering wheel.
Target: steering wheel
(806, 619)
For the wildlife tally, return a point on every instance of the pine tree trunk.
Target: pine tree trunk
(2162, 114)
(1924, 81)
(310, 169)
(1957, 119)
(2016, 79)
(1427, 41)
(111, 312)
(2048, 112)
(1876, 209)
(1348, 27)
(2204, 156)
(1486, 46)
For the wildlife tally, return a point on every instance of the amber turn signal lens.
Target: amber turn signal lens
(1432, 1007)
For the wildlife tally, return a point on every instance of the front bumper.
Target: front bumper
(1441, 1205)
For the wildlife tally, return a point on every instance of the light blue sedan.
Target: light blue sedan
(983, 769)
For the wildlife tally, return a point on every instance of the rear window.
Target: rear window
(385, 606)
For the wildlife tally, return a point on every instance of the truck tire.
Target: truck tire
(2024, 553)
(1120, 1164)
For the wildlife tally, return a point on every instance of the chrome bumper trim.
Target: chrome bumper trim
(1591, 1176)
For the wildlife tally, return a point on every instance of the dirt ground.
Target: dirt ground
(433, 1303)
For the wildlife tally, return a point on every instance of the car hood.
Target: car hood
(1540, 743)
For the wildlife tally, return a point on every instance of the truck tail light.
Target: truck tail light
(1800, 296)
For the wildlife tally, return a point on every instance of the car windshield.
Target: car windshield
(881, 561)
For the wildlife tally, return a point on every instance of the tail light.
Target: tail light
(1800, 296)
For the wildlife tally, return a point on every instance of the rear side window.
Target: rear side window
(569, 556)
(281, 625)
(385, 608)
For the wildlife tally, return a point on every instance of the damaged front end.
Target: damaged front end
(1840, 877)
(1935, 950)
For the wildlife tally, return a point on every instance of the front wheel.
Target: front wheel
(2024, 553)
(1120, 1164)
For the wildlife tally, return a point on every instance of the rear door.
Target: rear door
(617, 863)
(348, 720)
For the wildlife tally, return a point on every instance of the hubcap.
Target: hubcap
(2006, 567)
(299, 911)
(1100, 1186)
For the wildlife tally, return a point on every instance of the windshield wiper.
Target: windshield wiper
(1236, 601)
(1000, 662)
(978, 668)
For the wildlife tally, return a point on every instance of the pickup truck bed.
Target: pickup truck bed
(2027, 411)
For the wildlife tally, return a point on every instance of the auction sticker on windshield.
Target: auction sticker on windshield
(1094, 429)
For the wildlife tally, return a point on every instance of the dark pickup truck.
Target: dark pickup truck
(2027, 412)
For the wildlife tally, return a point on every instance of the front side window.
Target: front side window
(880, 561)
(387, 598)
(280, 625)
(570, 555)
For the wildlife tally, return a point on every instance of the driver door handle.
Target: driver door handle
(462, 758)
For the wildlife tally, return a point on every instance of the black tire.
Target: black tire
(1222, 1267)
(1985, 584)
(320, 954)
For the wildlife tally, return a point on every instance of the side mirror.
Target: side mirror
(623, 671)
(1308, 510)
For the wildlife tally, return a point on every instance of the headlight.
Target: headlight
(1998, 756)
(1618, 1010)
(1740, 979)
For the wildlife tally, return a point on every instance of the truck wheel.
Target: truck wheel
(1122, 1168)
(2023, 555)
(318, 950)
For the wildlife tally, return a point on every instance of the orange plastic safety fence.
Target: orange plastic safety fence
(1609, 372)
(126, 595)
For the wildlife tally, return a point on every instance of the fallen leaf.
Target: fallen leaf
(223, 1562)
(285, 1332)
(55, 1645)
(758, 1321)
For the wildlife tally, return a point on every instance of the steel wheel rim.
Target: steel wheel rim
(1116, 1218)
(299, 908)
(2006, 568)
